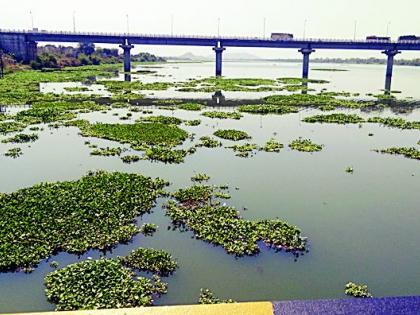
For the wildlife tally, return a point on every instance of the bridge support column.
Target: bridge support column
(306, 53)
(31, 51)
(389, 67)
(127, 55)
(219, 51)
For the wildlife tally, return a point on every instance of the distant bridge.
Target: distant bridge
(24, 43)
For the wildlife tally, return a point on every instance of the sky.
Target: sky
(324, 19)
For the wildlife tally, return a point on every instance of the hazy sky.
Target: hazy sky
(324, 19)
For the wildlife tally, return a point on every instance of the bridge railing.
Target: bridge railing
(108, 34)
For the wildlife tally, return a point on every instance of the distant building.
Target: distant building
(281, 36)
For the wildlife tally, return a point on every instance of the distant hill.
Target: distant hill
(226, 56)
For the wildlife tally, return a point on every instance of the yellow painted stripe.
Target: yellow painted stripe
(251, 308)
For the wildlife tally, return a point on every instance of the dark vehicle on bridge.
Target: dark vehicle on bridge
(374, 38)
(405, 38)
(281, 36)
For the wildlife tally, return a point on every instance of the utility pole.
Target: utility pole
(304, 28)
(172, 25)
(265, 20)
(387, 28)
(128, 25)
(355, 30)
(74, 21)
(32, 19)
(218, 27)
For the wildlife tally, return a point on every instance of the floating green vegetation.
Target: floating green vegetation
(208, 297)
(195, 122)
(268, 109)
(21, 138)
(22, 87)
(231, 134)
(209, 142)
(195, 210)
(349, 169)
(44, 115)
(215, 84)
(305, 145)
(314, 101)
(13, 153)
(222, 115)
(11, 126)
(336, 118)
(107, 151)
(191, 106)
(148, 229)
(153, 260)
(103, 283)
(222, 195)
(294, 81)
(272, 145)
(326, 108)
(243, 150)
(77, 89)
(395, 122)
(130, 158)
(200, 177)
(126, 87)
(411, 153)
(96, 211)
(357, 290)
(166, 120)
(165, 154)
(138, 134)
(329, 69)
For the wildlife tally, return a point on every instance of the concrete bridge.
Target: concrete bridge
(23, 44)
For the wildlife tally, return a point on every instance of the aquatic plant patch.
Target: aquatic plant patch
(137, 134)
(268, 109)
(336, 118)
(167, 120)
(96, 211)
(305, 145)
(11, 126)
(357, 290)
(314, 101)
(14, 152)
(165, 154)
(21, 138)
(208, 297)
(411, 153)
(272, 145)
(191, 106)
(130, 158)
(209, 142)
(149, 259)
(222, 115)
(231, 134)
(193, 209)
(243, 150)
(395, 122)
(194, 122)
(148, 229)
(96, 284)
(107, 151)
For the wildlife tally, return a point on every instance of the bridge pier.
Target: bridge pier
(389, 67)
(31, 51)
(306, 53)
(127, 55)
(219, 51)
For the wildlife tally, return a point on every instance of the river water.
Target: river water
(362, 227)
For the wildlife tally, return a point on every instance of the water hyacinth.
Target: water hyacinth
(148, 229)
(96, 211)
(130, 158)
(107, 151)
(166, 120)
(164, 154)
(200, 177)
(208, 297)
(14, 153)
(272, 146)
(222, 115)
(153, 260)
(191, 106)
(231, 134)
(209, 142)
(268, 109)
(411, 153)
(305, 145)
(395, 122)
(194, 209)
(357, 290)
(100, 284)
(21, 138)
(195, 122)
(336, 118)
